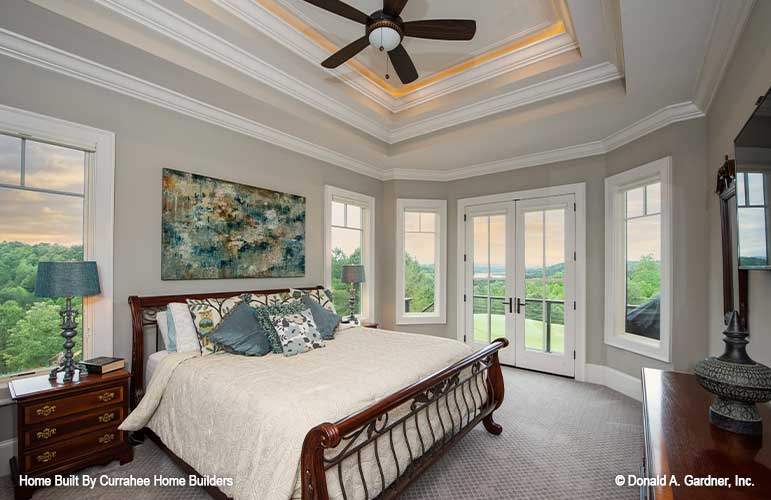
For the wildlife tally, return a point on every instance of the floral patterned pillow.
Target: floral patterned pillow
(322, 296)
(207, 314)
(297, 332)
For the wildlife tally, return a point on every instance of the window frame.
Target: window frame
(439, 316)
(98, 214)
(615, 260)
(741, 177)
(367, 203)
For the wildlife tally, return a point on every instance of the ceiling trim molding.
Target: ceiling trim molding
(564, 84)
(163, 21)
(269, 24)
(51, 58)
(649, 124)
(728, 24)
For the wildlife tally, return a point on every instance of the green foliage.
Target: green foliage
(643, 280)
(29, 325)
(418, 285)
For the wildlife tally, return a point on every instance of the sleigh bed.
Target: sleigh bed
(377, 409)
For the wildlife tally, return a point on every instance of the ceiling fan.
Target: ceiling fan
(384, 30)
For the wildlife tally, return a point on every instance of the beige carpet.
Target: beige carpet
(561, 439)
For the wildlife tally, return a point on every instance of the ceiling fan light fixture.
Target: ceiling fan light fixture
(386, 37)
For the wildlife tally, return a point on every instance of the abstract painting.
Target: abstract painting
(215, 229)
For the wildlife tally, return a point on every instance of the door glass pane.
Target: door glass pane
(10, 159)
(35, 227)
(643, 275)
(489, 277)
(545, 280)
(54, 167)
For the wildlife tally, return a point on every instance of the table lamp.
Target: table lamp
(68, 280)
(352, 274)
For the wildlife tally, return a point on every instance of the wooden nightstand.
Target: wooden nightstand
(64, 427)
(368, 324)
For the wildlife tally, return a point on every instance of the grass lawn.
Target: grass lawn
(535, 332)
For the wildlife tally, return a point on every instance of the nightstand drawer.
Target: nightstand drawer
(56, 430)
(56, 408)
(50, 456)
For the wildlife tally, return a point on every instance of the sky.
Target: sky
(33, 217)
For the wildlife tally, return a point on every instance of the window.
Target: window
(349, 222)
(753, 218)
(638, 260)
(48, 212)
(421, 243)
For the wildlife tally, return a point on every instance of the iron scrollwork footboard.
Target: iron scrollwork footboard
(378, 451)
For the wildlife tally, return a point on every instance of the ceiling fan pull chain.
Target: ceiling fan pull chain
(387, 76)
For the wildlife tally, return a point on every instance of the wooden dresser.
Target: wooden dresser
(64, 427)
(680, 440)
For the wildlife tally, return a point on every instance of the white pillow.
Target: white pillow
(187, 337)
(163, 328)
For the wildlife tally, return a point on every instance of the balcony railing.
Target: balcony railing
(550, 303)
(408, 306)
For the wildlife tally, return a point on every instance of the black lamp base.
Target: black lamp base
(68, 366)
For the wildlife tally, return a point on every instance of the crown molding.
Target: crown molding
(51, 58)
(651, 123)
(728, 24)
(167, 23)
(564, 84)
(39, 54)
(266, 22)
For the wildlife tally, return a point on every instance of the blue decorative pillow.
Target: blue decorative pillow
(172, 333)
(264, 313)
(326, 320)
(239, 332)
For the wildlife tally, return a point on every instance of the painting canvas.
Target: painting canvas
(214, 229)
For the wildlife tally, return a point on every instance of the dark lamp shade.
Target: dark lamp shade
(353, 274)
(67, 279)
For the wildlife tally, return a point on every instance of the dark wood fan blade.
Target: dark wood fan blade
(346, 53)
(341, 9)
(403, 65)
(441, 29)
(393, 7)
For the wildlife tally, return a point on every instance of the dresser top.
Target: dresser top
(36, 386)
(680, 440)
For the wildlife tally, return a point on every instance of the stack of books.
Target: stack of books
(103, 364)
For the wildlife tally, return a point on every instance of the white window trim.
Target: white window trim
(368, 252)
(98, 211)
(615, 289)
(439, 316)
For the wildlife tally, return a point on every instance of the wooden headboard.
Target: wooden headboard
(143, 311)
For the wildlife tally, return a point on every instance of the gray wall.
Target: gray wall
(148, 139)
(685, 142)
(748, 76)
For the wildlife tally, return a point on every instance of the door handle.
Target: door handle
(508, 303)
(520, 303)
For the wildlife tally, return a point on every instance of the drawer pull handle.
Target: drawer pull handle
(46, 410)
(107, 396)
(106, 438)
(46, 457)
(46, 433)
(106, 417)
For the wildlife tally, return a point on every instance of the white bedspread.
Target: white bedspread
(246, 417)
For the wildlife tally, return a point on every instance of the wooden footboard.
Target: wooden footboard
(474, 384)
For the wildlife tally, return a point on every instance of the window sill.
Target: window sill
(421, 320)
(644, 347)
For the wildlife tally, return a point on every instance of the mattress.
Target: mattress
(152, 363)
(245, 418)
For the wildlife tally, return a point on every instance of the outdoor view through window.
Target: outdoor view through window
(42, 191)
(420, 232)
(642, 227)
(347, 234)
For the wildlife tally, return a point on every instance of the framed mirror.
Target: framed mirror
(753, 188)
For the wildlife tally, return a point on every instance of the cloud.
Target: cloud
(32, 217)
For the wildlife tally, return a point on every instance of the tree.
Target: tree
(10, 314)
(643, 280)
(418, 285)
(340, 289)
(35, 341)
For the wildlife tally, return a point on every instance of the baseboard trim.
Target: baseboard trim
(7, 450)
(613, 379)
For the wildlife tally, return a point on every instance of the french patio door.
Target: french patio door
(520, 281)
